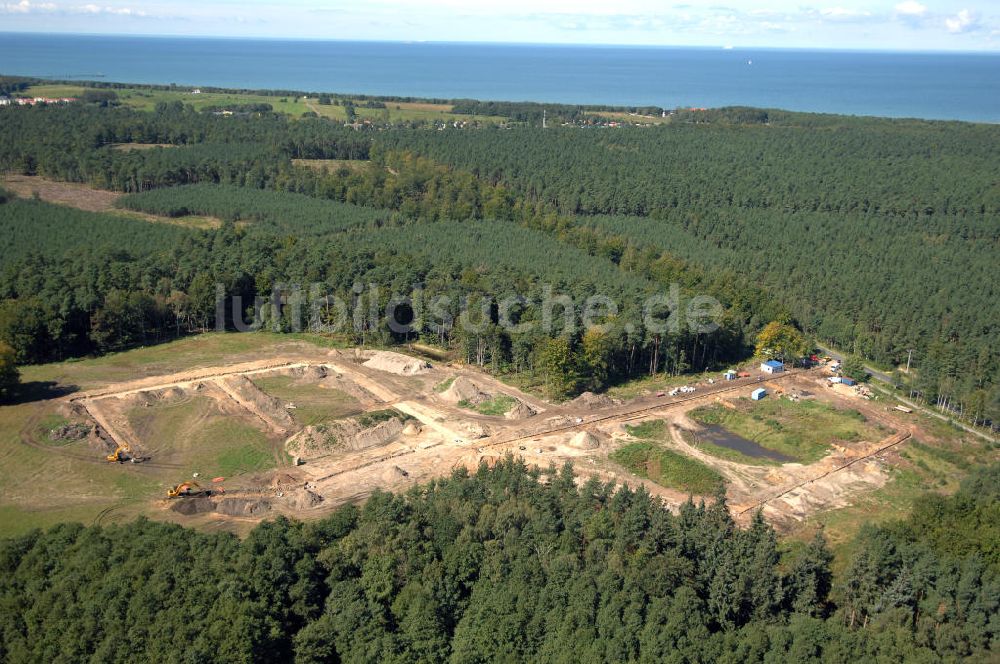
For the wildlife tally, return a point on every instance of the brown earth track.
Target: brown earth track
(887, 443)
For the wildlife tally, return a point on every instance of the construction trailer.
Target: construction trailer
(772, 367)
(758, 394)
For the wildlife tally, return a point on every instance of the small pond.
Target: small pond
(717, 435)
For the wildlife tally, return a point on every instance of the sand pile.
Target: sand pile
(592, 401)
(394, 473)
(463, 389)
(584, 440)
(314, 441)
(397, 363)
(380, 434)
(264, 404)
(412, 429)
(519, 411)
(242, 506)
(304, 499)
(310, 374)
(473, 430)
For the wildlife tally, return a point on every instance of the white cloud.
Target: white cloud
(964, 21)
(26, 7)
(116, 11)
(842, 13)
(911, 8)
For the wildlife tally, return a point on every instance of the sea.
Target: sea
(946, 86)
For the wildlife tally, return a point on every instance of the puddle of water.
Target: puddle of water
(717, 435)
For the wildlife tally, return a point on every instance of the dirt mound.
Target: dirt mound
(314, 441)
(463, 389)
(191, 506)
(394, 473)
(519, 411)
(314, 373)
(397, 363)
(411, 429)
(100, 441)
(584, 440)
(592, 401)
(304, 499)
(284, 480)
(380, 434)
(473, 430)
(242, 506)
(267, 407)
(70, 432)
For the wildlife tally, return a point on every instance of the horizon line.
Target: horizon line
(707, 47)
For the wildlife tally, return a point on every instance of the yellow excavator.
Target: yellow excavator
(185, 489)
(121, 454)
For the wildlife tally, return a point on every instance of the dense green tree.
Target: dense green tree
(9, 375)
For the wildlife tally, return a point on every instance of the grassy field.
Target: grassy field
(40, 484)
(937, 461)
(648, 459)
(39, 488)
(660, 382)
(313, 404)
(497, 405)
(195, 351)
(802, 430)
(146, 100)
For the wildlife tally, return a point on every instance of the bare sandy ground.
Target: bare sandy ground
(441, 436)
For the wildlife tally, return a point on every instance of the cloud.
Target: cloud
(911, 8)
(964, 21)
(843, 14)
(26, 7)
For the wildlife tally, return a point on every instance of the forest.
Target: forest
(876, 236)
(506, 565)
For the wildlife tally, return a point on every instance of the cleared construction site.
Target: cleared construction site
(304, 433)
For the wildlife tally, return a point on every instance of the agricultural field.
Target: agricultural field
(146, 100)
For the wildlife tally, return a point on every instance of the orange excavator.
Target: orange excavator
(121, 454)
(186, 489)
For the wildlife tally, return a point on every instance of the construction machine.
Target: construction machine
(121, 454)
(185, 489)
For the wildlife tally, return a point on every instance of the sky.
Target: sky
(923, 25)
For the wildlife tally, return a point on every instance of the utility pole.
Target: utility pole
(543, 118)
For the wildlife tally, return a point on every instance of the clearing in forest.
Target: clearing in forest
(801, 430)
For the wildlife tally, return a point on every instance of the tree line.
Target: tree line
(499, 565)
